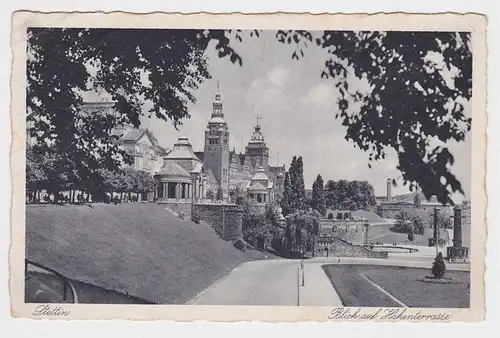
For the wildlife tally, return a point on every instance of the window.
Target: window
(171, 189)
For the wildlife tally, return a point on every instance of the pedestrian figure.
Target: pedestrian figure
(327, 252)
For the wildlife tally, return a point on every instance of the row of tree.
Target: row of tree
(176, 65)
(349, 195)
(100, 185)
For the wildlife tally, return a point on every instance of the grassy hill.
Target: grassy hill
(138, 249)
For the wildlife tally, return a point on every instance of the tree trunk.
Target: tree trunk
(121, 196)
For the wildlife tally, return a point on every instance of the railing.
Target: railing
(67, 285)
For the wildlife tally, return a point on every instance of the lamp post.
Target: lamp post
(436, 230)
(413, 232)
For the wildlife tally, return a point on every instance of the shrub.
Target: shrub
(438, 267)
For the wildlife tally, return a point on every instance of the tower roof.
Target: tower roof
(217, 113)
(257, 136)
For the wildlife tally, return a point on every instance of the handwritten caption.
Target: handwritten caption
(50, 311)
(342, 313)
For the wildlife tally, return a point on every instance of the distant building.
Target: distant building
(182, 177)
(389, 206)
(140, 143)
(228, 170)
(260, 188)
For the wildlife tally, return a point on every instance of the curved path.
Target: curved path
(271, 282)
(279, 282)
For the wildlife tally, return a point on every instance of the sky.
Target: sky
(297, 110)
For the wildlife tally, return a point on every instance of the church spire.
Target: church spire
(217, 104)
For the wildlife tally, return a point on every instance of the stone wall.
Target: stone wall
(179, 208)
(225, 219)
(338, 247)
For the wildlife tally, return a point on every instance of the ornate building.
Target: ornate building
(140, 143)
(227, 170)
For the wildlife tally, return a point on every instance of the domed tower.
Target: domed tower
(257, 149)
(216, 156)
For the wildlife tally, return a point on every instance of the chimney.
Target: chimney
(389, 194)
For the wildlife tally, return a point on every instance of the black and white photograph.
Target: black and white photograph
(249, 167)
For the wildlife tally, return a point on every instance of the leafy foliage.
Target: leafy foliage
(419, 83)
(302, 227)
(218, 195)
(413, 105)
(285, 199)
(294, 194)
(318, 196)
(349, 195)
(409, 222)
(255, 228)
(210, 195)
(417, 200)
(58, 72)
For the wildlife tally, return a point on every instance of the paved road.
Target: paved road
(279, 282)
(269, 282)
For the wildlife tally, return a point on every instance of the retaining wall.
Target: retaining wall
(226, 219)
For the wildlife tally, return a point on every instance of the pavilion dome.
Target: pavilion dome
(172, 168)
(260, 180)
(182, 150)
(260, 175)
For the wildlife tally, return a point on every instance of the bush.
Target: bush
(438, 267)
(410, 221)
(410, 236)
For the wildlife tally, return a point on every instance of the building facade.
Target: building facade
(228, 170)
(139, 143)
(389, 207)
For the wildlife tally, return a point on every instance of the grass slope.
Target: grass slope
(354, 290)
(137, 249)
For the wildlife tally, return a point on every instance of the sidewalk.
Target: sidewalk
(317, 289)
(272, 283)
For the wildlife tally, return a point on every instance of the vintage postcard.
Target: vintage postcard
(272, 167)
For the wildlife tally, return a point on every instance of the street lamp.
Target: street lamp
(436, 230)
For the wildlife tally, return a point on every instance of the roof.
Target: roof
(134, 134)
(239, 157)
(211, 177)
(198, 168)
(256, 186)
(260, 175)
(182, 150)
(96, 95)
(257, 136)
(397, 203)
(172, 168)
(199, 154)
(216, 120)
